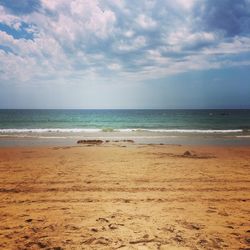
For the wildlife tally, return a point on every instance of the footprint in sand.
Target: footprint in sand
(191, 225)
(178, 238)
(247, 240)
(102, 220)
(101, 241)
(211, 210)
(42, 245)
(95, 230)
(114, 226)
(223, 213)
(72, 227)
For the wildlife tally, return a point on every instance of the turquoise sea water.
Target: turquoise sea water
(161, 124)
(125, 119)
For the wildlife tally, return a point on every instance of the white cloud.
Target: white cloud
(92, 17)
(53, 4)
(187, 4)
(183, 37)
(131, 45)
(82, 38)
(114, 66)
(129, 33)
(156, 56)
(9, 19)
(236, 46)
(146, 22)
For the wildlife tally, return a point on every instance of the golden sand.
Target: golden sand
(125, 197)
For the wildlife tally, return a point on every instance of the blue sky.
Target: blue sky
(125, 54)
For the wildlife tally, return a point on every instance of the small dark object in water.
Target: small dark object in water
(96, 142)
(187, 153)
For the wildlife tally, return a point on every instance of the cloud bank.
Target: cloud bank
(83, 40)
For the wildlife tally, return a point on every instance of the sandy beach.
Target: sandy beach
(125, 196)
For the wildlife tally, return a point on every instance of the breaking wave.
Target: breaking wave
(110, 130)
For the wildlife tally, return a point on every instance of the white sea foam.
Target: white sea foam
(199, 131)
(48, 130)
(94, 130)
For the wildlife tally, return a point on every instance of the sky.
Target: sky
(124, 54)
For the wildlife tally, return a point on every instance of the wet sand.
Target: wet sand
(125, 196)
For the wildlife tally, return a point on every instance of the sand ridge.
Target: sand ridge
(124, 196)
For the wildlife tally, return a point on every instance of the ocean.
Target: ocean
(142, 125)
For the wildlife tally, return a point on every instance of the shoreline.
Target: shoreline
(70, 139)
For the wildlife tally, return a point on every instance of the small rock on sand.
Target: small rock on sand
(93, 142)
(187, 153)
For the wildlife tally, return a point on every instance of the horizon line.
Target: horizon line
(219, 108)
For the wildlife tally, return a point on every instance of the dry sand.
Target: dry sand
(126, 197)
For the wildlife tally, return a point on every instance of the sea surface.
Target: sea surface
(150, 126)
